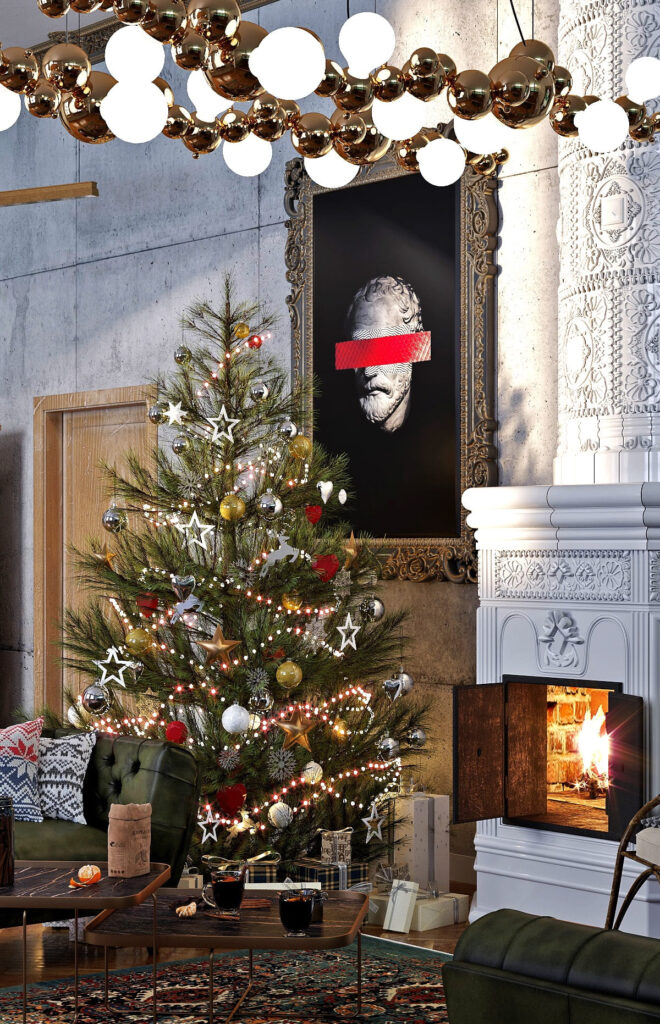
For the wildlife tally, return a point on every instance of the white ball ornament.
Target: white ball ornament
(441, 162)
(330, 170)
(205, 100)
(135, 112)
(366, 41)
(235, 719)
(643, 79)
(249, 157)
(603, 126)
(312, 773)
(133, 56)
(10, 108)
(484, 134)
(280, 815)
(289, 63)
(399, 119)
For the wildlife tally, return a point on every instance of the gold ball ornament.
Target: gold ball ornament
(217, 20)
(228, 69)
(538, 102)
(347, 128)
(340, 729)
(510, 81)
(138, 640)
(234, 125)
(164, 19)
(130, 12)
(563, 80)
(537, 50)
(53, 8)
(232, 507)
(389, 83)
(292, 602)
(202, 137)
(423, 87)
(406, 153)
(190, 50)
(81, 115)
(370, 149)
(312, 135)
(447, 66)
(469, 94)
(267, 119)
(644, 131)
(289, 675)
(562, 115)
(67, 67)
(43, 100)
(179, 121)
(166, 89)
(85, 6)
(332, 79)
(19, 69)
(635, 112)
(241, 330)
(485, 165)
(291, 112)
(300, 447)
(424, 63)
(354, 93)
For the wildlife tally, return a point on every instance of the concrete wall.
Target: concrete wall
(90, 293)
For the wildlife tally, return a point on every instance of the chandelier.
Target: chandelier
(378, 106)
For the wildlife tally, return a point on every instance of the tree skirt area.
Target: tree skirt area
(400, 983)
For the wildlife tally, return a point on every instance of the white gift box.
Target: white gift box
(191, 882)
(400, 906)
(647, 845)
(422, 838)
(440, 911)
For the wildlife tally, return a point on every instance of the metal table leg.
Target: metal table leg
(105, 965)
(359, 972)
(24, 966)
(210, 986)
(155, 941)
(244, 993)
(75, 963)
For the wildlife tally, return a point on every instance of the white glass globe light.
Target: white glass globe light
(603, 126)
(289, 63)
(643, 79)
(399, 119)
(235, 718)
(366, 41)
(249, 157)
(484, 134)
(330, 170)
(10, 108)
(133, 56)
(135, 112)
(441, 162)
(205, 100)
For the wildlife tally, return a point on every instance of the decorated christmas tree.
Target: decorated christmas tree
(232, 609)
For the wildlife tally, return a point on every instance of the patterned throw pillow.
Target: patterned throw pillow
(62, 767)
(19, 751)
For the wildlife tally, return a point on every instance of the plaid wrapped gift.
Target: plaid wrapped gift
(331, 876)
(266, 871)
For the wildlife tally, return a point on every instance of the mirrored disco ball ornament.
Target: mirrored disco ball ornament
(96, 699)
(261, 701)
(388, 748)
(416, 737)
(288, 429)
(400, 684)
(269, 505)
(157, 413)
(113, 519)
(259, 390)
(372, 609)
(179, 444)
(182, 355)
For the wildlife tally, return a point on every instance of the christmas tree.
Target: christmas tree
(233, 610)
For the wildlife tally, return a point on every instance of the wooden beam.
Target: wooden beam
(49, 193)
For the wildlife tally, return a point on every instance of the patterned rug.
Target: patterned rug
(400, 985)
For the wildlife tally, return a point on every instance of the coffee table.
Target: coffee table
(258, 927)
(44, 885)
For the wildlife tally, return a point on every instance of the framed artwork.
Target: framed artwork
(393, 314)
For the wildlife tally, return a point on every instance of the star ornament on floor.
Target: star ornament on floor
(220, 431)
(374, 823)
(348, 631)
(198, 531)
(218, 648)
(296, 730)
(113, 668)
(175, 414)
(209, 827)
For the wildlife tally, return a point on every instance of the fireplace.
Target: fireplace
(556, 754)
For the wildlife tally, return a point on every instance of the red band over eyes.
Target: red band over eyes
(395, 348)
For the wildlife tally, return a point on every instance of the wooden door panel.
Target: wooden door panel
(624, 722)
(478, 752)
(526, 749)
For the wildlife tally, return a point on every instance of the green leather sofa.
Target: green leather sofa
(513, 968)
(122, 769)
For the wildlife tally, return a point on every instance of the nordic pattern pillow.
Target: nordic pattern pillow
(62, 767)
(19, 753)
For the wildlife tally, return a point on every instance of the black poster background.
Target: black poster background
(407, 482)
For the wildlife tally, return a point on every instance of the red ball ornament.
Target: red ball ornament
(176, 732)
(326, 566)
(231, 799)
(313, 513)
(147, 602)
(275, 655)
(255, 341)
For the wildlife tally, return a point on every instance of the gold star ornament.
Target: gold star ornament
(351, 549)
(218, 648)
(105, 556)
(296, 730)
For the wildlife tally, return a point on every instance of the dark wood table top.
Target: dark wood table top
(44, 885)
(259, 927)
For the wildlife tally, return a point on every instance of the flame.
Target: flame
(594, 745)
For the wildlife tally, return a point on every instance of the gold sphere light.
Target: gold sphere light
(19, 69)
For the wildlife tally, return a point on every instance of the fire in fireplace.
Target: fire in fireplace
(548, 753)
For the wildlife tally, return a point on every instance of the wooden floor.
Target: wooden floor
(50, 953)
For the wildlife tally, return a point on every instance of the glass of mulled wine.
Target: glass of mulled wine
(296, 907)
(227, 886)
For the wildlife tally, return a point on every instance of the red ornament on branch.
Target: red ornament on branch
(313, 513)
(176, 732)
(147, 602)
(231, 799)
(255, 341)
(326, 566)
(275, 655)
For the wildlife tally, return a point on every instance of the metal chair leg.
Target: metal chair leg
(359, 972)
(24, 966)
(155, 958)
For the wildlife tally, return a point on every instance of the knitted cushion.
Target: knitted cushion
(62, 767)
(19, 750)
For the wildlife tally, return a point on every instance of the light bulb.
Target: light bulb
(484, 134)
(367, 41)
(205, 100)
(135, 112)
(603, 126)
(133, 56)
(10, 108)
(330, 170)
(289, 63)
(643, 79)
(399, 119)
(441, 162)
(249, 157)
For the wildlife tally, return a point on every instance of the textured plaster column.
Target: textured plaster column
(609, 240)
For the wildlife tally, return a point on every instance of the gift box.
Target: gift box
(422, 837)
(440, 911)
(331, 876)
(191, 881)
(264, 872)
(400, 906)
(647, 845)
(336, 846)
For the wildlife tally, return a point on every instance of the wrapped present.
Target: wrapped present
(647, 845)
(422, 838)
(331, 876)
(336, 846)
(400, 906)
(440, 911)
(191, 880)
(265, 871)
(386, 874)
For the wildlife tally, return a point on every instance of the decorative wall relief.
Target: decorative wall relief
(654, 576)
(560, 643)
(573, 575)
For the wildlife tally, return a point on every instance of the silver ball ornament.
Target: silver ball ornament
(288, 429)
(388, 748)
(113, 519)
(96, 699)
(261, 702)
(269, 505)
(372, 609)
(182, 355)
(235, 719)
(157, 413)
(259, 390)
(280, 815)
(180, 443)
(416, 737)
(399, 685)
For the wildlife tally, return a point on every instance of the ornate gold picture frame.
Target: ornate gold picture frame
(420, 558)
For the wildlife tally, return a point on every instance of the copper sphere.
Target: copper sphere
(130, 12)
(19, 69)
(424, 62)
(406, 153)
(537, 50)
(291, 112)
(234, 125)
(202, 136)
(53, 8)
(312, 135)
(510, 81)
(354, 93)
(468, 94)
(166, 89)
(179, 121)
(447, 66)
(106, 5)
(563, 80)
(43, 100)
(388, 82)
(67, 67)
(81, 115)
(643, 132)
(635, 112)
(332, 79)
(216, 20)
(265, 106)
(562, 115)
(348, 128)
(485, 165)
(536, 106)
(164, 19)
(267, 119)
(228, 68)
(372, 147)
(501, 156)
(85, 6)
(423, 87)
(190, 50)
